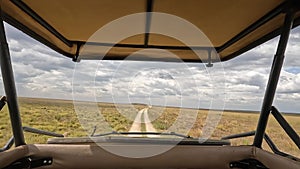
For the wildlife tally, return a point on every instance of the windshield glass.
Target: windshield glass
(56, 94)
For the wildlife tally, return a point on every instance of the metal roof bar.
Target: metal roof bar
(273, 78)
(41, 21)
(148, 21)
(260, 41)
(266, 18)
(10, 88)
(124, 45)
(10, 20)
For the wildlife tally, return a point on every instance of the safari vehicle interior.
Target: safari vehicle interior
(59, 25)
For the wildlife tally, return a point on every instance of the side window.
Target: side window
(40, 74)
(288, 97)
(247, 77)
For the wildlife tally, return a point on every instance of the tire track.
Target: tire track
(142, 117)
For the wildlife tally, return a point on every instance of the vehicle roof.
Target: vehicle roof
(233, 27)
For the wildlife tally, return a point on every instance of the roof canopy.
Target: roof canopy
(233, 27)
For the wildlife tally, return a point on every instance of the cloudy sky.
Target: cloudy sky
(236, 84)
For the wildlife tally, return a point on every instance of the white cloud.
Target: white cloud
(40, 72)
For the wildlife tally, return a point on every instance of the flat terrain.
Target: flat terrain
(60, 116)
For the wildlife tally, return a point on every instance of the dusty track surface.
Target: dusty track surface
(142, 117)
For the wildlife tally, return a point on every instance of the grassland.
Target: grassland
(60, 116)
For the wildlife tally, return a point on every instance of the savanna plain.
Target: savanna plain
(60, 116)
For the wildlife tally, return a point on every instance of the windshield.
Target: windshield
(55, 94)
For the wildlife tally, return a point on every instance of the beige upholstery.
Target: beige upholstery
(181, 156)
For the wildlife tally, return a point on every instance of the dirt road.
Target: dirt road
(142, 117)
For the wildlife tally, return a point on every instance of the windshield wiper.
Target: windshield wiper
(10, 142)
(142, 133)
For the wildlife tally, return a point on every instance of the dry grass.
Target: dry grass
(59, 116)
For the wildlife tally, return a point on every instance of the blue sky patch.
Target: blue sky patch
(294, 70)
